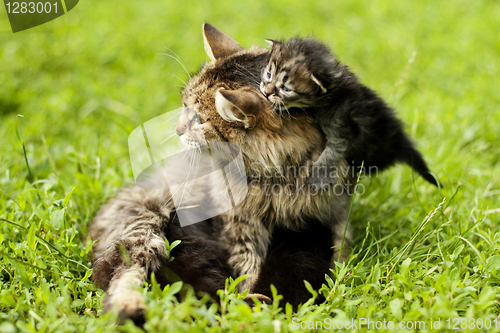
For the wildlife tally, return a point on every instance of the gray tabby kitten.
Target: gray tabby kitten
(359, 126)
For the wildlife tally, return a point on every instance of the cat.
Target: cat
(281, 236)
(359, 126)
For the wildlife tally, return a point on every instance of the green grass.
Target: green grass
(83, 81)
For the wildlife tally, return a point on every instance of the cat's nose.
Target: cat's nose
(180, 129)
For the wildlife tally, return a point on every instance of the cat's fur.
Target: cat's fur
(359, 126)
(261, 235)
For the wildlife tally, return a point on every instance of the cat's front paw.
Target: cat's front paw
(250, 299)
(130, 305)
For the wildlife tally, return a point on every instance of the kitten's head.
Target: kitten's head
(298, 72)
(225, 105)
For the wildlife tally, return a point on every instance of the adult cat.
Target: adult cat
(276, 235)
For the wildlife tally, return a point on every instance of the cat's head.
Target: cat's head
(297, 72)
(225, 105)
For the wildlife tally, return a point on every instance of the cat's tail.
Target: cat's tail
(414, 159)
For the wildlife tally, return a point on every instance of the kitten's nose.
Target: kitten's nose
(263, 90)
(268, 90)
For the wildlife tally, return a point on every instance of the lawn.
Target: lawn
(73, 89)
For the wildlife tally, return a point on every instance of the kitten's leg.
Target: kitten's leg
(324, 168)
(248, 244)
(341, 231)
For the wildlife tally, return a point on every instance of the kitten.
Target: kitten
(359, 126)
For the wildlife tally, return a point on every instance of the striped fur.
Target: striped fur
(131, 229)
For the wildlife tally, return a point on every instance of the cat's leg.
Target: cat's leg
(323, 170)
(295, 256)
(130, 244)
(200, 262)
(247, 243)
(126, 263)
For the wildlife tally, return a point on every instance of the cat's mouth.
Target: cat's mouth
(271, 97)
(190, 143)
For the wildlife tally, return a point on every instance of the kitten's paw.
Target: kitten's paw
(130, 305)
(262, 298)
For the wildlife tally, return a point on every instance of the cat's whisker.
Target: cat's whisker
(185, 185)
(280, 114)
(276, 110)
(174, 115)
(253, 78)
(187, 156)
(281, 110)
(289, 114)
(252, 75)
(185, 83)
(178, 60)
(168, 138)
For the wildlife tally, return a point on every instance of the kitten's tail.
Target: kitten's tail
(414, 159)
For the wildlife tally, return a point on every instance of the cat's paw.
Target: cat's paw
(262, 298)
(130, 305)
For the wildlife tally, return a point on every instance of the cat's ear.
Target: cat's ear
(270, 42)
(241, 106)
(318, 82)
(218, 44)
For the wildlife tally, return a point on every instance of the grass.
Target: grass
(83, 81)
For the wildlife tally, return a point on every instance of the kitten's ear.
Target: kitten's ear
(315, 80)
(218, 44)
(241, 106)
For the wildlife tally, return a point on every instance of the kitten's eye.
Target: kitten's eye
(285, 89)
(268, 74)
(202, 120)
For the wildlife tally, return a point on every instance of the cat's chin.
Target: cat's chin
(192, 144)
(275, 101)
